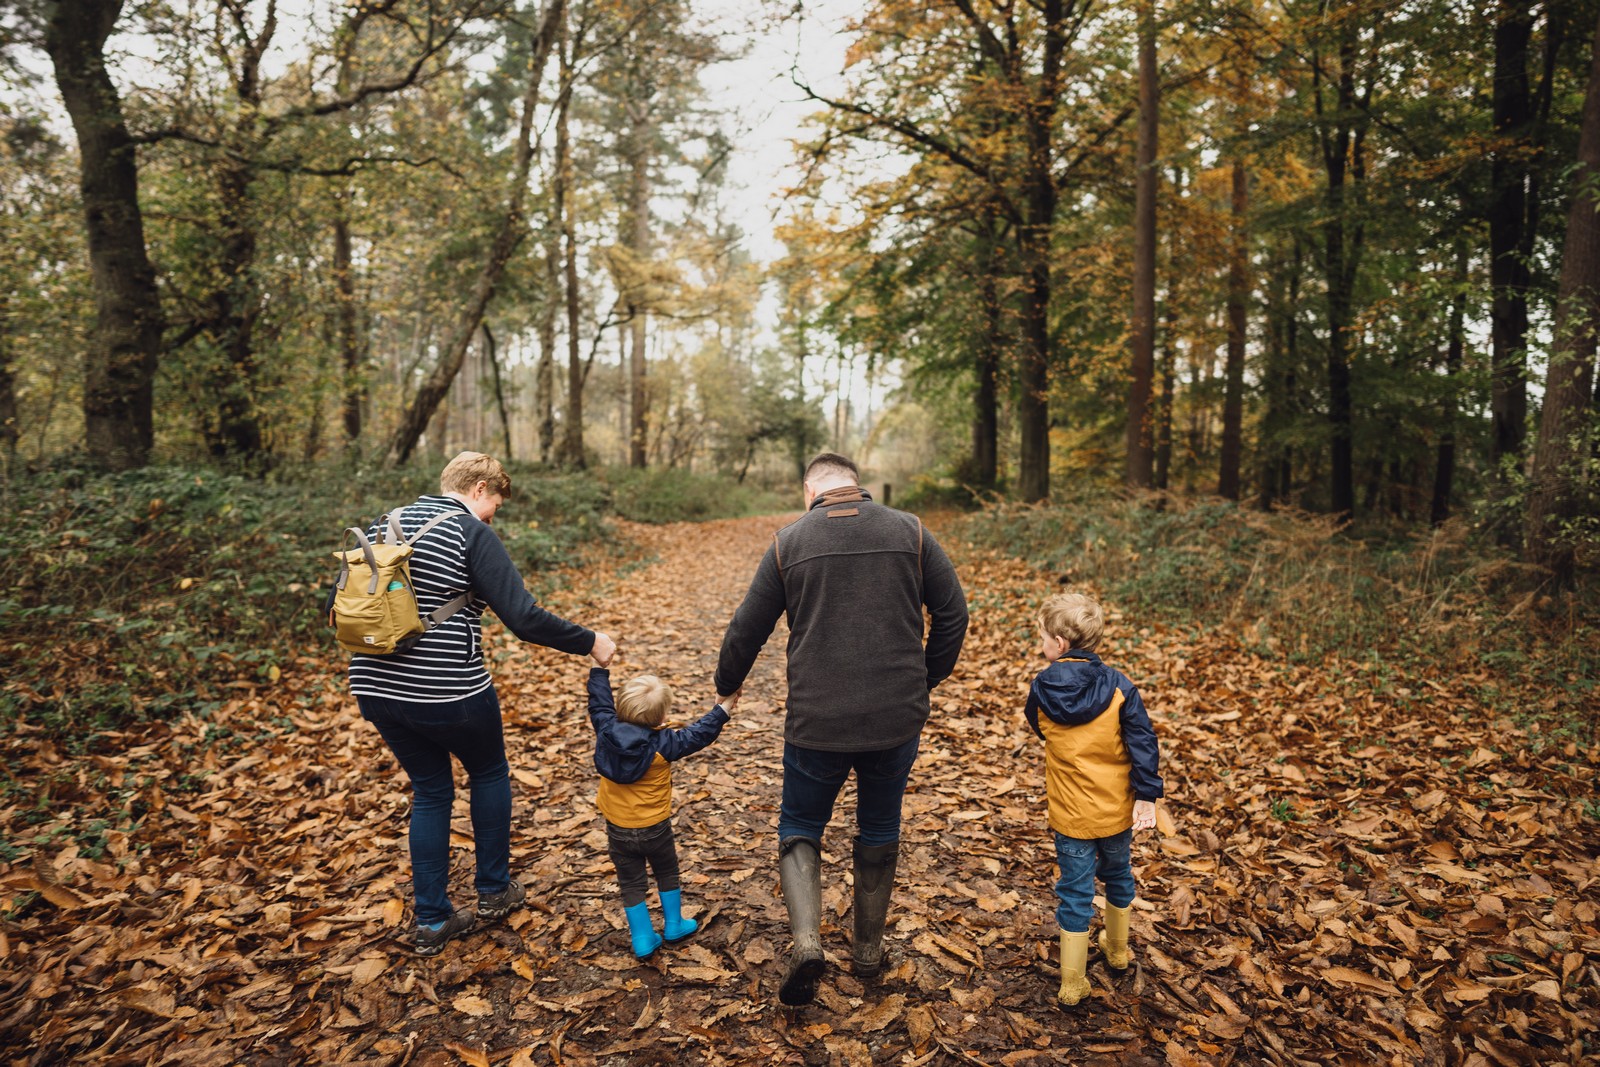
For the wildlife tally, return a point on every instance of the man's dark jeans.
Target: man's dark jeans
(423, 737)
(631, 847)
(812, 779)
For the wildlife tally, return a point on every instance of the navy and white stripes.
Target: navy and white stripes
(458, 555)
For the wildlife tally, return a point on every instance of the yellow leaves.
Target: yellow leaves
(1349, 976)
(474, 1006)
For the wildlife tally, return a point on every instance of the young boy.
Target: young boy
(634, 757)
(1100, 775)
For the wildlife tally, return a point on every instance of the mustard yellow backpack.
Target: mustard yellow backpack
(375, 609)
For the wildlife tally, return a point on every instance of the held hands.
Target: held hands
(1144, 814)
(729, 701)
(604, 648)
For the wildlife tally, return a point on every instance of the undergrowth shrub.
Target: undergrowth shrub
(145, 593)
(1292, 585)
(661, 496)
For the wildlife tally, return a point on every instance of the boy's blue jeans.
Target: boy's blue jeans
(1080, 862)
(813, 777)
(423, 737)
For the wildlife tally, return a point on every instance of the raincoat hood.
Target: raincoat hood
(1075, 688)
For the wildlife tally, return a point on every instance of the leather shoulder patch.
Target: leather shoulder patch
(842, 512)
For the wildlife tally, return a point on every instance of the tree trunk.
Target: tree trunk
(1233, 373)
(638, 240)
(1508, 270)
(353, 389)
(1558, 461)
(1142, 334)
(120, 366)
(1344, 166)
(512, 226)
(236, 434)
(1444, 471)
(572, 439)
(499, 390)
(986, 365)
(9, 432)
(1169, 382)
(545, 382)
(1033, 244)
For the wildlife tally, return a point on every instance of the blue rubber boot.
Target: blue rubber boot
(645, 938)
(676, 927)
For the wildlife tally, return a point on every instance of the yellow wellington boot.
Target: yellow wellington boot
(1114, 938)
(1074, 957)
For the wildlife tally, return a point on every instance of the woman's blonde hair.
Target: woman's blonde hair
(470, 468)
(644, 700)
(1074, 618)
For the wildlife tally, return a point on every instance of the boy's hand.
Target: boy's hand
(1144, 815)
(729, 701)
(604, 648)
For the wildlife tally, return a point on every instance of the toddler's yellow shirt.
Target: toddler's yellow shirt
(642, 803)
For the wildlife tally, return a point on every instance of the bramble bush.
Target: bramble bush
(1294, 586)
(140, 594)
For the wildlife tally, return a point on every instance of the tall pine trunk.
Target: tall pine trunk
(572, 437)
(1444, 471)
(1033, 244)
(1169, 382)
(986, 362)
(1508, 210)
(545, 380)
(1142, 334)
(1558, 463)
(638, 240)
(120, 365)
(1233, 372)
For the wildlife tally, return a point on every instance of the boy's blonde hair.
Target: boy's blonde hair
(470, 468)
(644, 700)
(1074, 618)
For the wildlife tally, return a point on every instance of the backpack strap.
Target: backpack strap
(441, 614)
(366, 551)
(430, 524)
(389, 531)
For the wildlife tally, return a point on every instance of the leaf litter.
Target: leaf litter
(1336, 877)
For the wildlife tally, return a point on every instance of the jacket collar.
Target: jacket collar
(448, 501)
(1079, 654)
(844, 494)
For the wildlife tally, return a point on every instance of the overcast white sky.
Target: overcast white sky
(766, 109)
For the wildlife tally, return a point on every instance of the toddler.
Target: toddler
(1101, 778)
(634, 757)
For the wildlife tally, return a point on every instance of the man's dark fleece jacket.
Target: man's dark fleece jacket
(852, 577)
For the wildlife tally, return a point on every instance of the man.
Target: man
(853, 577)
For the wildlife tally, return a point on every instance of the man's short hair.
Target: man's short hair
(470, 468)
(644, 700)
(831, 464)
(1074, 618)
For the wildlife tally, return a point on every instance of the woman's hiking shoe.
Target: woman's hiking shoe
(495, 906)
(431, 939)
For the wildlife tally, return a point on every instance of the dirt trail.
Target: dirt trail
(1387, 880)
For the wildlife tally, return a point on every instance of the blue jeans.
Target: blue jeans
(812, 779)
(1080, 862)
(423, 737)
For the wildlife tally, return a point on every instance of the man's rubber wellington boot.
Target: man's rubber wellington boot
(800, 869)
(874, 873)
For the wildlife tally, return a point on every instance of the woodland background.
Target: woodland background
(1272, 324)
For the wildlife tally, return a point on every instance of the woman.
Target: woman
(436, 699)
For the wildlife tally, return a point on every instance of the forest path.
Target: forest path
(1387, 879)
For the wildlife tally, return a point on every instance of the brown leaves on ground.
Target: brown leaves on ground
(1352, 867)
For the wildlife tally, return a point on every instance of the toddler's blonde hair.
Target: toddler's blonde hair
(644, 700)
(1074, 618)
(470, 468)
